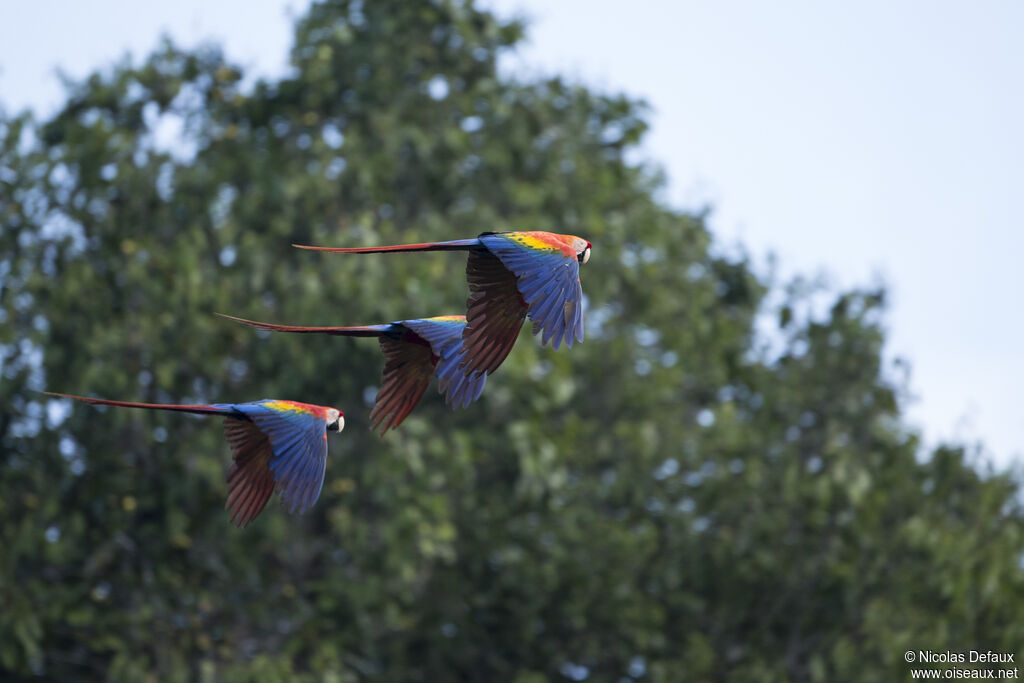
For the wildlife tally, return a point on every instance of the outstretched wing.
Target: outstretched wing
(444, 334)
(548, 277)
(495, 312)
(407, 370)
(250, 481)
(298, 441)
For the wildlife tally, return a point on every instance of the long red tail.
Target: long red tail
(453, 245)
(197, 409)
(354, 331)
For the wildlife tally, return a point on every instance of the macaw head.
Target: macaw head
(582, 248)
(335, 420)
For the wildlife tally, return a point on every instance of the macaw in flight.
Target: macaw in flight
(511, 275)
(278, 445)
(414, 350)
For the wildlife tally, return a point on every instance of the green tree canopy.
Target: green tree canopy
(670, 500)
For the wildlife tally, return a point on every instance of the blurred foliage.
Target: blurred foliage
(667, 501)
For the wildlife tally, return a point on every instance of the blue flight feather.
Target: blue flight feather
(549, 282)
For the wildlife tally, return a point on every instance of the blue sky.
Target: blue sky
(866, 141)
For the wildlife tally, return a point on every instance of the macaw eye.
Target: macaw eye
(585, 256)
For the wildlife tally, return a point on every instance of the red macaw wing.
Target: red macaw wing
(548, 277)
(408, 367)
(298, 440)
(250, 482)
(444, 334)
(495, 312)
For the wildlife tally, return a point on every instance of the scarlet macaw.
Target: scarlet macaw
(275, 445)
(413, 351)
(511, 275)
